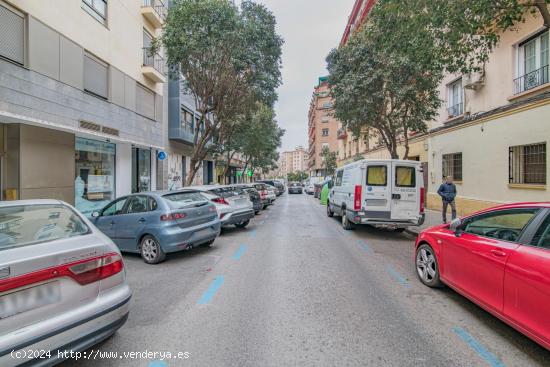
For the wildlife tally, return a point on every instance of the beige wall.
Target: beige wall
(119, 43)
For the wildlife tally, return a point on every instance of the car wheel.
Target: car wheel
(427, 268)
(346, 224)
(151, 251)
(209, 243)
(330, 213)
(242, 224)
(257, 212)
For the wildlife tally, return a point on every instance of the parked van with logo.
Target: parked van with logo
(386, 193)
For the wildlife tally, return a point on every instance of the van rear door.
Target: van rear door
(406, 183)
(377, 190)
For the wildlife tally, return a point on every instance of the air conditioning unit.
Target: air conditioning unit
(474, 80)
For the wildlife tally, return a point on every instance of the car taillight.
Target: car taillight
(220, 201)
(422, 199)
(357, 198)
(172, 216)
(96, 269)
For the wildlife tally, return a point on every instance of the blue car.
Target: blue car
(156, 223)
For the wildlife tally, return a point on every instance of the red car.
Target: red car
(499, 258)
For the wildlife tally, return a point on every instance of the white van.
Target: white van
(387, 192)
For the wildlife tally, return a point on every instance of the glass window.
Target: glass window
(181, 199)
(455, 98)
(530, 56)
(30, 224)
(405, 176)
(141, 170)
(527, 164)
(542, 237)
(95, 174)
(153, 205)
(97, 9)
(377, 175)
(325, 132)
(505, 225)
(338, 181)
(12, 36)
(452, 166)
(137, 204)
(115, 208)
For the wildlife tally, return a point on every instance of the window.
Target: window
(141, 170)
(533, 57)
(97, 9)
(325, 118)
(452, 166)
(542, 237)
(24, 225)
(405, 176)
(527, 164)
(327, 105)
(12, 35)
(325, 132)
(377, 176)
(339, 175)
(455, 94)
(96, 76)
(153, 205)
(114, 208)
(505, 225)
(137, 204)
(145, 102)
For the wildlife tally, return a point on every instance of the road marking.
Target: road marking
(395, 274)
(364, 246)
(261, 223)
(489, 357)
(239, 252)
(158, 364)
(211, 291)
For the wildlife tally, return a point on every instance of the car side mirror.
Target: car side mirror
(456, 227)
(95, 214)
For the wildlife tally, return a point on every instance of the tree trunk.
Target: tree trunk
(543, 9)
(226, 169)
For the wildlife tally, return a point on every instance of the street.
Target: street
(294, 289)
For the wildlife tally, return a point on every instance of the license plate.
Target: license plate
(29, 299)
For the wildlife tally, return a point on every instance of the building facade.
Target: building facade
(322, 127)
(81, 99)
(293, 161)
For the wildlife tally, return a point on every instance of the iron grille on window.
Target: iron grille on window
(531, 80)
(528, 164)
(12, 35)
(452, 166)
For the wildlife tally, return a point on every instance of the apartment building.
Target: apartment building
(293, 161)
(81, 99)
(322, 127)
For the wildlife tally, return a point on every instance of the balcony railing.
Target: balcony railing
(342, 134)
(456, 110)
(531, 80)
(158, 6)
(153, 60)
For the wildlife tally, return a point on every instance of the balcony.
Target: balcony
(531, 80)
(153, 66)
(342, 134)
(154, 11)
(455, 110)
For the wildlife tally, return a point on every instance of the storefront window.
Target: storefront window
(141, 170)
(95, 175)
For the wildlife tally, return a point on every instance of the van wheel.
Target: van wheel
(346, 224)
(151, 251)
(330, 213)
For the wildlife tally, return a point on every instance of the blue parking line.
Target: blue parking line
(489, 357)
(365, 246)
(252, 233)
(211, 291)
(158, 364)
(239, 252)
(395, 274)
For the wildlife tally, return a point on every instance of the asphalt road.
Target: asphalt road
(294, 289)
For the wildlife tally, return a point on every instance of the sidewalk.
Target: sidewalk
(433, 217)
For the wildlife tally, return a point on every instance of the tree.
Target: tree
(228, 57)
(387, 77)
(297, 176)
(329, 161)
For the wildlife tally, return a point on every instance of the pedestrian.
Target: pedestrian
(447, 191)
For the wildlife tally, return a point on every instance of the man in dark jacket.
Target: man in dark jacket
(447, 191)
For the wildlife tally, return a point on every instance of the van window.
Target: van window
(338, 181)
(377, 176)
(405, 176)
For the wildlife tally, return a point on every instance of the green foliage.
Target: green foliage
(297, 176)
(329, 161)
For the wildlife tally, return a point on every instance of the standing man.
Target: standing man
(447, 191)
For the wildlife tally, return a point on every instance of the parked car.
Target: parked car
(498, 258)
(280, 187)
(62, 282)
(156, 223)
(295, 188)
(253, 194)
(378, 192)
(271, 193)
(262, 189)
(234, 206)
(310, 189)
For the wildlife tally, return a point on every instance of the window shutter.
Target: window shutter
(145, 102)
(12, 35)
(95, 77)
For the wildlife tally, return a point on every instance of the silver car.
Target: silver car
(234, 208)
(62, 283)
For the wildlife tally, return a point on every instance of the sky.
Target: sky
(310, 28)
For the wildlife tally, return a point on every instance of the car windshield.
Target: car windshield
(182, 199)
(32, 224)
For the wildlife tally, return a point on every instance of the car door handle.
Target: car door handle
(142, 220)
(396, 196)
(498, 253)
